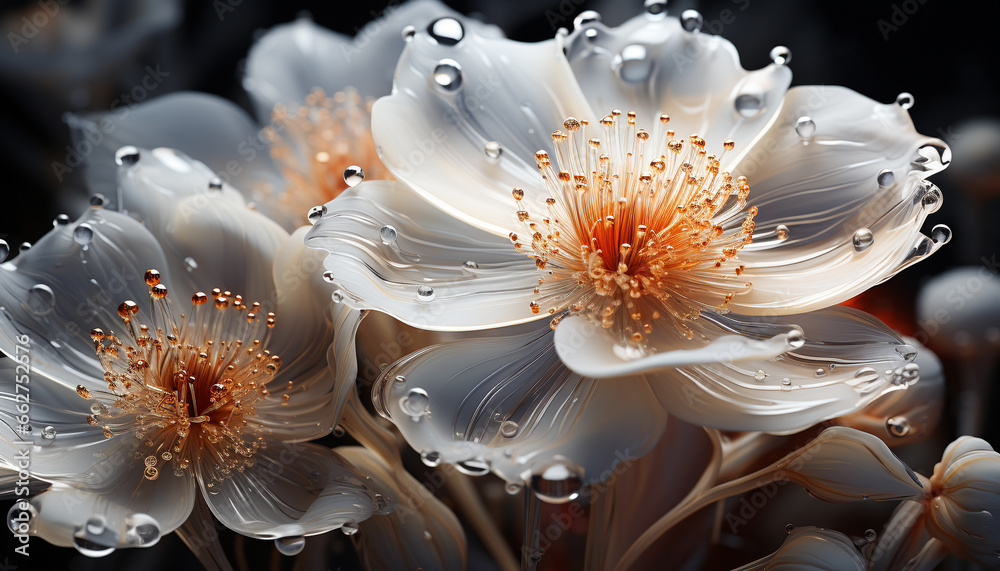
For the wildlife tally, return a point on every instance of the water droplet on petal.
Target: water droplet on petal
(215, 184)
(20, 522)
(789, 528)
(558, 484)
(425, 293)
(142, 530)
(930, 195)
(41, 299)
(898, 426)
(805, 127)
(760, 375)
(819, 372)
(49, 432)
(448, 74)
(513, 488)
(337, 296)
(473, 467)
(190, 264)
(415, 403)
(83, 234)
(430, 458)
(354, 175)
(870, 535)
(863, 239)
(885, 178)
(328, 276)
(632, 64)
(4, 250)
(749, 104)
(93, 539)
(584, 18)
(447, 31)
(127, 156)
(60, 220)
(493, 149)
(904, 100)
(655, 7)
(796, 338)
(408, 32)
(508, 428)
(470, 265)
(316, 213)
(349, 528)
(387, 234)
(781, 55)
(692, 20)
(782, 231)
(290, 545)
(97, 200)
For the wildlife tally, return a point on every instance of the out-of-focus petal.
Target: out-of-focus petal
(506, 403)
(68, 283)
(422, 533)
(814, 549)
(448, 101)
(852, 197)
(847, 465)
(293, 490)
(393, 251)
(212, 130)
(847, 359)
(652, 65)
(210, 237)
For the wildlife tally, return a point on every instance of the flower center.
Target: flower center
(314, 144)
(186, 388)
(640, 230)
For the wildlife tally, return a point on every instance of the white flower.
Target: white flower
(146, 392)
(526, 199)
(812, 549)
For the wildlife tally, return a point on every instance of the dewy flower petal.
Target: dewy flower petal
(814, 549)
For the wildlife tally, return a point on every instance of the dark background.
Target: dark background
(944, 53)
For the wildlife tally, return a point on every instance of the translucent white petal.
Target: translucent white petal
(210, 237)
(291, 490)
(816, 549)
(64, 510)
(293, 59)
(309, 328)
(60, 289)
(422, 533)
(651, 65)
(211, 129)
(847, 360)
(508, 404)
(826, 190)
(395, 252)
(433, 129)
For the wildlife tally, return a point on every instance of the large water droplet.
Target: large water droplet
(21, 522)
(337, 296)
(41, 299)
(97, 200)
(493, 149)
(941, 234)
(328, 276)
(870, 535)
(749, 104)
(904, 100)
(83, 234)
(316, 213)
(781, 231)
(430, 458)
(94, 539)
(49, 433)
(508, 429)
(388, 234)
(349, 528)
(354, 175)
(796, 338)
(290, 545)
(760, 375)
(632, 64)
(446, 31)
(4, 250)
(142, 530)
(60, 220)
(408, 32)
(781, 55)
(448, 74)
(930, 195)
(127, 156)
(863, 239)
(584, 18)
(425, 293)
(898, 426)
(885, 178)
(558, 484)
(692, 20)
(656, 7)
(805, 127)
(473, 467)
(416, 402)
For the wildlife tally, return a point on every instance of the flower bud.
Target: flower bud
(815, 548)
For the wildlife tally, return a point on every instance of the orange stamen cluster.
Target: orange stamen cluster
(185, 388)
(315, 143)
(639, 229)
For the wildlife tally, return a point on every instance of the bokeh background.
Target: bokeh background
(70, 56)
